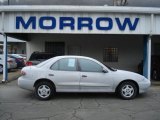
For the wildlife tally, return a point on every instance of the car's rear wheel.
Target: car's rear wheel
(44, 90)
(127, 90)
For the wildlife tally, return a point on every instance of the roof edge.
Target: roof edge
(71, 8)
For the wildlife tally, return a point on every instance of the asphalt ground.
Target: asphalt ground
(19, 104)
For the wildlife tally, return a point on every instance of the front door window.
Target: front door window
(89, 66)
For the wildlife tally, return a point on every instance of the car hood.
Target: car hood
(122, 74)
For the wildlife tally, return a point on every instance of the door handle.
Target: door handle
(84, 75)
(51, 74)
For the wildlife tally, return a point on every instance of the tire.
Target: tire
(155, 75)
(1, 68)
(44, 90)
(127, 90)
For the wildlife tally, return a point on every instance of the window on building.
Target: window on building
(110, 55)
(74, 50)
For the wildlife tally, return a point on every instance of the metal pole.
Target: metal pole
(5, 67)
(147, 57)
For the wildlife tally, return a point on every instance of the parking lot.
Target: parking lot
(13, 74)
(19, 104)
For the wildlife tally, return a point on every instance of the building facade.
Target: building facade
(120, 37)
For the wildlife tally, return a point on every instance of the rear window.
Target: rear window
(15, 56)
(41, 56)
(43, 63)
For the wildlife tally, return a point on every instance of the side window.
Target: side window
(55, 66)
(66, 64)
(89, 66)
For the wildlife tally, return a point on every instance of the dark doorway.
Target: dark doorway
(156, 48)
(57, 48)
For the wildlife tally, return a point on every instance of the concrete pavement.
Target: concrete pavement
(19, 104)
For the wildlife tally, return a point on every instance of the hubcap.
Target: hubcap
(44, 91)
(127, 91)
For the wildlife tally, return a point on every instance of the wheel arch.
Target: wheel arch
(128, 80)
(46, 80)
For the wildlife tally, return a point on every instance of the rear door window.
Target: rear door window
(65, 64)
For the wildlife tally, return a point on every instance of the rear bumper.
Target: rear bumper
(25, 83)
(11, 66)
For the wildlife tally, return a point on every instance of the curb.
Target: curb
(155, 83)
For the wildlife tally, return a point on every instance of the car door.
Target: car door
(65, 75)
(93, 77)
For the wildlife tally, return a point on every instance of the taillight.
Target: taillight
(20, 59)
(23, 73)
(10, 61)
(29, 63)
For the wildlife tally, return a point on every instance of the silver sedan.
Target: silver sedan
(80, 74)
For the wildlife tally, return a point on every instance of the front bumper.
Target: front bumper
(144, 86)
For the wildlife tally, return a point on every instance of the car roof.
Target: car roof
(15, 55)
(74, 56)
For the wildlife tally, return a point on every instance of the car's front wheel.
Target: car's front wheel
(44, 90)
(127, 90)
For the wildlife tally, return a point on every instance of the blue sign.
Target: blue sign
(82, 22)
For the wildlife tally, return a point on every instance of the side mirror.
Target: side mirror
(104, 70)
